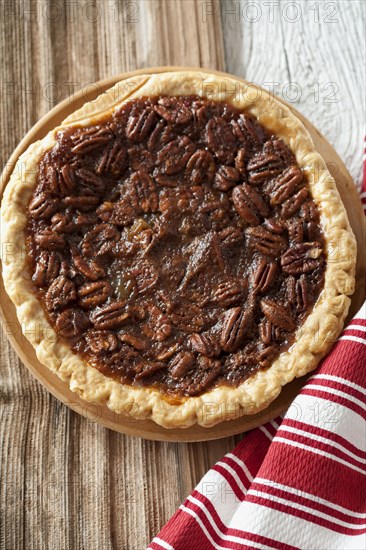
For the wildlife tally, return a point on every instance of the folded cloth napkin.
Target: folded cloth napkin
(297, 482)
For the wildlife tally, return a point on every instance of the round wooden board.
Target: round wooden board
(146, 428)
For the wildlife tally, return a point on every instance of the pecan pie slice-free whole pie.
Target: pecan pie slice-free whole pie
(186, 250)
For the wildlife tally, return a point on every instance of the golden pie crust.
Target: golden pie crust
(312, 340)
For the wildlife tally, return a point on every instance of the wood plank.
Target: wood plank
(312, 55)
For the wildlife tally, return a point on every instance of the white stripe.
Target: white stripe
(274, 424)
(298, 506)
(222, 535)
(161, 543)
(343, 381)
(335, 418)
(309, 496)
(317, 452)
(353, 338)
(233, 473)
(215, 488)
(329, 442)
(241, 464)
(292, 530)
(266, 432)
(340, 393)
(355, 326)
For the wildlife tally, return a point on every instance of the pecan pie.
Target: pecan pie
(180, 247)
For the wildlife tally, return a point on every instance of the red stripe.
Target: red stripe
(355, 332)
(346, 360)
(252, 450)
(321, 447)
(307, 516)
(231, 544)
(238, 469)
(216, 537)
(322, 432)
(304, 501)
(238, 532)
(357, 321)
(340, 386)
(231, 481)
(315, 474)
(332, 398)
(183, 532)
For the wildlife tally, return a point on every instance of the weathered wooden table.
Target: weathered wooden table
(66, 482)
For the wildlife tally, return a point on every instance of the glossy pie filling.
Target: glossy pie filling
(175, 244)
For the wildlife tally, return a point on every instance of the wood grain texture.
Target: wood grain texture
(68, 483)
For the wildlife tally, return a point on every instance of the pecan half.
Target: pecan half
(236, 325)
(265, 331)
(49, 240)
(47, 268)
(90, 180)
(168, 109)
(298, 292)
(265, 241)
(231, 236)
(248, 131)
(110, 316)
(91, 270)
(88, 140)
(181, 364)
(114, 160)
(264, 274)
(249, 204)
(188, 319)
(292, 205)
(61, 182)
(226, 178)
(205, 344)
(265, 165)
(221, 140)
(137, 342)
(140, 159)
(101, 341)
(61, 292)
(277, 314)
(142, 192)
(94, 294)
(140, 123)
(119, 213)
(82, 202)
(101, 240)
(200, 167)
(302, 258)
(284, 186)
(72, 322)
(227, 293)
(240, 162)
(174, 156)
(42, 206)
(63, 223)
